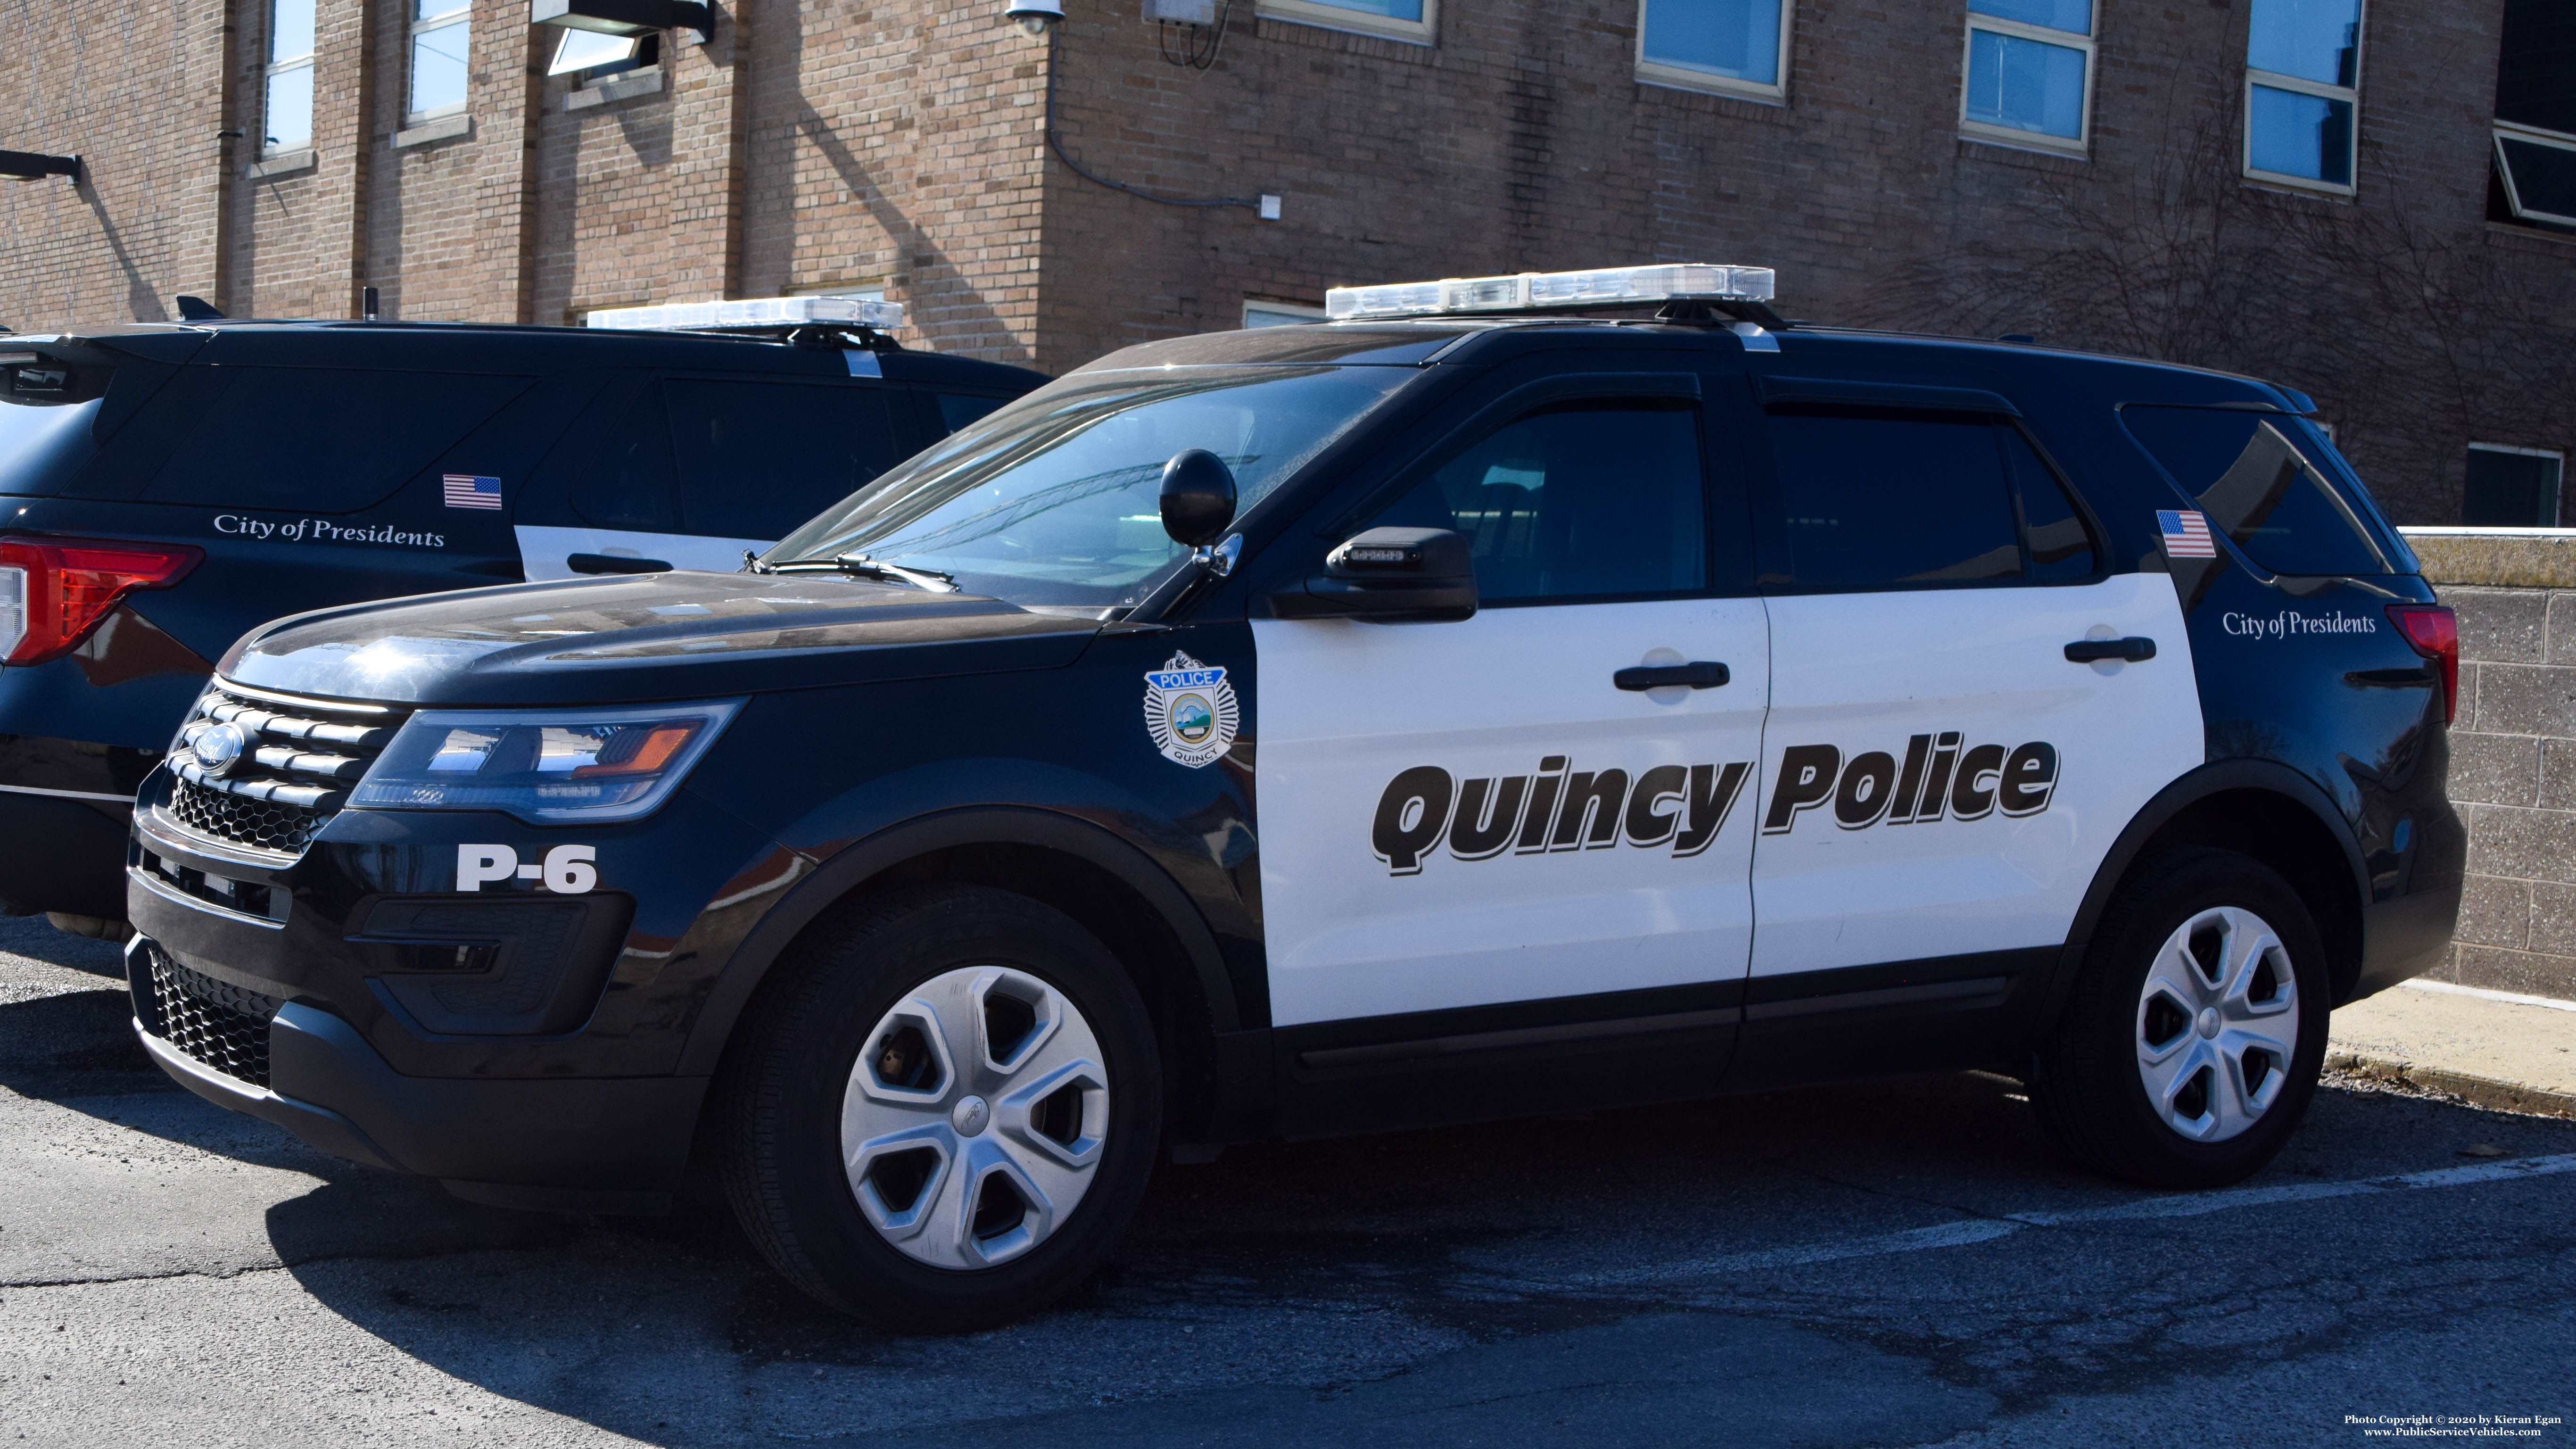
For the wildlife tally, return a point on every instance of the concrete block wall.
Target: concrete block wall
(2513, 757)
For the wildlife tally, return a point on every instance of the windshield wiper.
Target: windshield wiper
(859, 565)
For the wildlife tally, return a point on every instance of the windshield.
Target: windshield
(1054, 500)
(42, 445)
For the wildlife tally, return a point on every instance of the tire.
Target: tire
(878, 1038)
(2147, 1075)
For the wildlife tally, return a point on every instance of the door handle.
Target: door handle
(1697, 674)
(2133, 649)
(610, 563)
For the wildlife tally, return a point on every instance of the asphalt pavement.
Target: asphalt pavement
(1887, 1264)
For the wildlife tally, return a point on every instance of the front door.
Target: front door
(1456, 815)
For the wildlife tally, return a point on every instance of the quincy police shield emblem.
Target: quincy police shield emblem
(1190, 711)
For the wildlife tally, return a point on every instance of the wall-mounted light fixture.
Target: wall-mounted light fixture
(1035, 15)
(625, 17)
(35, 166)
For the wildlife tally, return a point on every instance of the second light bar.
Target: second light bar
(1544, 291)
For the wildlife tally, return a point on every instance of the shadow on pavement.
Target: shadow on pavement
(34, 937)
(75, 1044)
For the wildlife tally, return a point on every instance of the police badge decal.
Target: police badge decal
(1190, 711)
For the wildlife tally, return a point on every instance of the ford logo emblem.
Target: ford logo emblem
(218, 747)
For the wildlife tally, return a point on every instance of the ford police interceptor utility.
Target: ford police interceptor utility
(1457, 709)
(164, 487)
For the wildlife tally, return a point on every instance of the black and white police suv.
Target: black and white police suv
(1455, 710)
(165, 487)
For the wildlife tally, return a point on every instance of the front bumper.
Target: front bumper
(595, 1145)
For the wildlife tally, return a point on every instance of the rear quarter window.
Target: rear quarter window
(322, 441)
(2255, 485)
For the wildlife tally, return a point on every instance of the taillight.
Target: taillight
(2434, 632)
(53, 591)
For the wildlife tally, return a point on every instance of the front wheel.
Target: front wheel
(944, 1113)
(2195, 1035)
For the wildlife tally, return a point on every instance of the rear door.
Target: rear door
(699, 469)
(1939, 780)
(1456, 817)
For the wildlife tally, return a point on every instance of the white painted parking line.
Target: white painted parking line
(1969, 1231)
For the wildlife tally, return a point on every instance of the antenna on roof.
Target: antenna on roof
(197, 309)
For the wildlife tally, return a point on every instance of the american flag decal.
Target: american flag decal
(466, 490)
(2186, 533)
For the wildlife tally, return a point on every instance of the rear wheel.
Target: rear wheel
(944, 1114)
(2193, 1041)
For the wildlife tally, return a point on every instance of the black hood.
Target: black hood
(647, 637)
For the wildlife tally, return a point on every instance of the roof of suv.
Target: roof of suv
(1413, 342)
(480, 347)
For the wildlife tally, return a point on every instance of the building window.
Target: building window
(1401, 19)
(593, 56)
(440, 32)
(1279, 314)
(1740, 46)
(286, 118)
(2532, 181)
(2029, 75)
(2512, 487)
(2303, 92)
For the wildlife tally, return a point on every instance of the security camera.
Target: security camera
(1035, 15)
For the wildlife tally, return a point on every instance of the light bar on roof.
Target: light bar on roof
(750, 312)
(1537, 291)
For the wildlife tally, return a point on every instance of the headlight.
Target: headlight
(546, 768)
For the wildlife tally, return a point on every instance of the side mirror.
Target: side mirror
(1198, 497)
(1391, 574)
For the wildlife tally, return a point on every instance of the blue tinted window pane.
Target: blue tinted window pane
(438, 68)
(1390, 9)
(2025, 85)
(290, 110)
(2318, 40)
(1735, 38)
(290, 31)
(2072, 15)
(2300, 135)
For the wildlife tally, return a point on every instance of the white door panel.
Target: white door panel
(2002, 857)
(543, 551)
(1472, 883)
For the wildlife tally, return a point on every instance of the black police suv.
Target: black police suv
(164, 488)
(1341, 727)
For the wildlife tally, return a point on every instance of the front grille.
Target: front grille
(220, 1024)
(265, 824)
(301, 759)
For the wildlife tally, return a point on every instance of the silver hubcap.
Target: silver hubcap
(974, 1117)
(2217, 1024)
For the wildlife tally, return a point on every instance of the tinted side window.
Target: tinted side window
(756, 460)
(630, 483)
(1591, 501)
(1880, 499)
(323, 441)
(2257, 489)
(2061, 548)
(957, 409)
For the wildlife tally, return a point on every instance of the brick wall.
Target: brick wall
(897, 143)
(139, 92)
